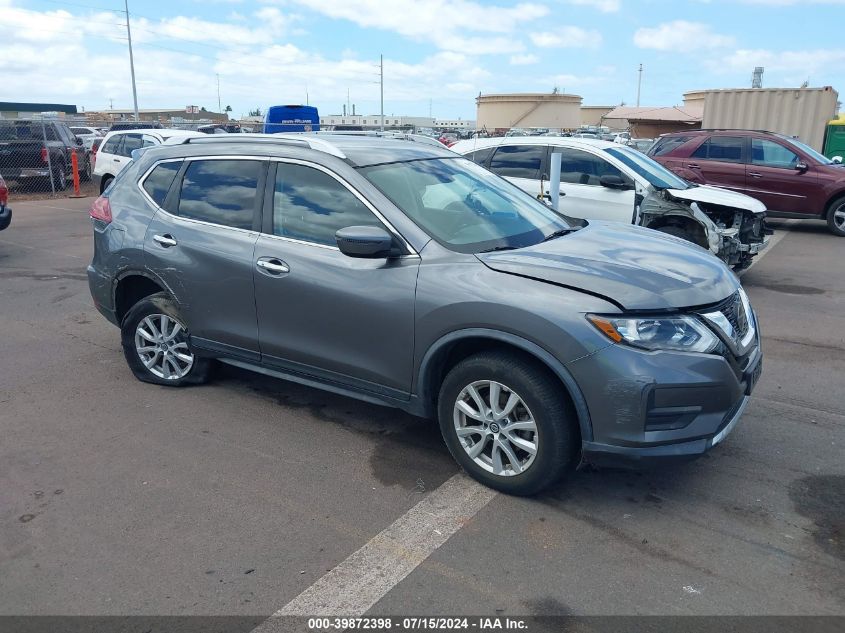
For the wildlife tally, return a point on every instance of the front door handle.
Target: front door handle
(754, 174)
(694, 166)
(273, 265)
(165, 240)
(562, 193)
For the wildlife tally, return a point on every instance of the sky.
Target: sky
(438, 54)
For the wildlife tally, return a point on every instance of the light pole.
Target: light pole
(131, 59)
(381, 85)
(639, 84)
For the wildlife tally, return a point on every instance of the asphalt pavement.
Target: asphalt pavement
(122, 498)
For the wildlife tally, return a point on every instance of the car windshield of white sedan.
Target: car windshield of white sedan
(465, 207)
(656, 174)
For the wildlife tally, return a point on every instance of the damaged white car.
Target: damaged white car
(601, 180)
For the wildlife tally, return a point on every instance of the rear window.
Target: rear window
(667, 144)
(727, 149)
(112, 145)
(481, 156)
(518, 161)
(220, 191)
(158, 183)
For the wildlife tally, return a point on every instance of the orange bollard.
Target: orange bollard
(74, 163)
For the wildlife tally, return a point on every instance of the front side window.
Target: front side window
(463, 206)
(726, 149)
(518, 161)
(157, 184)
(578, 167)
(771, 154)
(220, 191)
(310, 205)
(481, 156)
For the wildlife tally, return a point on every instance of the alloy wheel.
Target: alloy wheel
(839, 217)
(162, 346)
(495, 428)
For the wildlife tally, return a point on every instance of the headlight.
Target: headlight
(682, 333)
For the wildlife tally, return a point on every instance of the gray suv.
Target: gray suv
(405, 275)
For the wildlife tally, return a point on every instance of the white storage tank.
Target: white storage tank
(530, 109)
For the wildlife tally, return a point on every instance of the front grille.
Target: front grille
(734, 312)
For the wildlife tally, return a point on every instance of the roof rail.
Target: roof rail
(397, 134)
(318, 144)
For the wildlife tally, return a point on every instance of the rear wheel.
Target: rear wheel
(105, 183)
(507, 423)
(59, 178)
(156, 344)
(836, 217)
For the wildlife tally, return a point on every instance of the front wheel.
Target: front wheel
(156, 344)
(506, 421)
(836, 217)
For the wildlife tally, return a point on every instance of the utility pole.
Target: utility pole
(639, 84)
(219, 103)
(381, 85)
(131, 59)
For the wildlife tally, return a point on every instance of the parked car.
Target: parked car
(792, 179)
(39, 151)
(5, 210)
(640, 144)
(402, 274)
(87, 134)
(115, 151)
(135, 125)
(602, 180)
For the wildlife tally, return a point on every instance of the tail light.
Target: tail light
(101, 210)
(43, 154)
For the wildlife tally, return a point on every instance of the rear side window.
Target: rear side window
(310, 205)
(220, 191)
(667, 144)
(727, 149)
(518, 161)
(481, 156)
(157, 184)
(130, 142)
(112, 146)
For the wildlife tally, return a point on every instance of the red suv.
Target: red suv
(790, 178)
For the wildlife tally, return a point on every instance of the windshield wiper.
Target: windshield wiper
(559, 233)
(499, 248)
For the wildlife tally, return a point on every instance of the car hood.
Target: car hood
(636, 268)
(717, 195)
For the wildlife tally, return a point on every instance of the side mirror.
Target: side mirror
(613, 182)
(364, 241)
(801, 166)
(837, 160)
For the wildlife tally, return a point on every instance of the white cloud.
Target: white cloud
(567, 37)
(523, 60)
(680, 36)
(800, 63)
(449, 24)
(605, 6)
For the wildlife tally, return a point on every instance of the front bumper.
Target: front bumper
(657, 407)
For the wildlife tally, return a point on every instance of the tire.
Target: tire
(156, 315)
(105, 183)
(836, 217)
(87, 171)
(555, 436)
(677, 231)
(59, 178)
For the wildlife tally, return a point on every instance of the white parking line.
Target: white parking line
(360, 581)
(780, 233)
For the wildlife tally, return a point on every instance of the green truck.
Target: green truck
(834, 139)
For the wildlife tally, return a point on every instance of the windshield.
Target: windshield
(821, 158)
(463, 206)
(656, 174)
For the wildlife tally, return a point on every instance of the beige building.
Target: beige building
(530, 109)
(594, 115)
(176, 115)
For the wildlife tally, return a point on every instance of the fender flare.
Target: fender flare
(558, 368)
(136, 272)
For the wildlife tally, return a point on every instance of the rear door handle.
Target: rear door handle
(272, 265)
(562, 193)
(165, 240)
(694, 166)
(754, 174)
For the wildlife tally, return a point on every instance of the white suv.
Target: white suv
(603, 180)
(115, 151)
